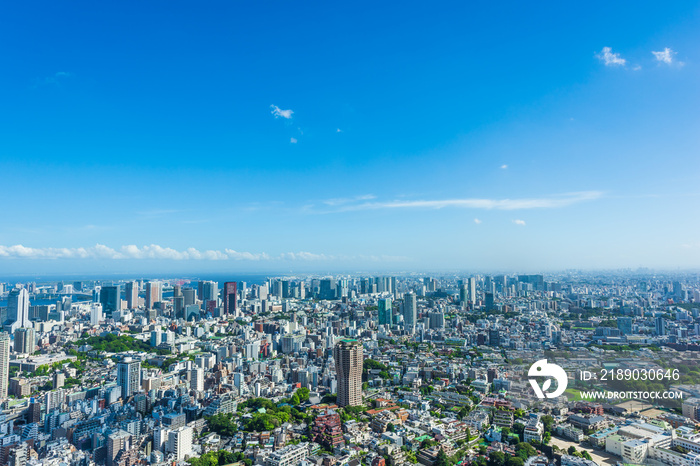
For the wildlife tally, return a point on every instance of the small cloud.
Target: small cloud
(278, 112)
(636, 67)
(666, 56)
(504, 167)
(55, 79)
(293, 140)
(477, 221)
(519, 222)
(609, 58)
(338, 130)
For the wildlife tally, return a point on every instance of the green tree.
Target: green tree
(497, 458)
(442, 459)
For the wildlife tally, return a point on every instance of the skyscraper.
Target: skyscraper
(128, 376)
(348, 367)
(4, 364)
(385, 312)
(154, 294)
(110, 298)
(132, 295)
(17, 310)
(24, 340)
(229, 298)
(410, 311)
(660, 326)
(472, 291)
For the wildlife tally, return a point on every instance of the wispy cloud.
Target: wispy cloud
(346, 200)
(279, 113)
(477, 221)
(504, 167)
(519, 222)
(609, 58)
(293, 140)
(157, 252)
(338, 130)
(54, 79)
(352, 204)
(666, 56)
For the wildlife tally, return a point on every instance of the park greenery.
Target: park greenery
(221, 457)
(112, 343)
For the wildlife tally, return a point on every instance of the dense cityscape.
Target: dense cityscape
(381, 370)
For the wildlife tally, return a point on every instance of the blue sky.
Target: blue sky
(320, 136)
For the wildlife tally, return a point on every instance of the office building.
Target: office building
(229, 298)
(385, 312)
(17, 310)
(110, 298)
(128, 376)
(25, 340)
(348, 358)
(132, 295)
(660, 326)
(154, 294)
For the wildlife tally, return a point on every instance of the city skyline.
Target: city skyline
(313, 138)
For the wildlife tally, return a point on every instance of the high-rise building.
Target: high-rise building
(437, 320)
(348, 367)
(17, 310)
(190, 295)
(4, 364)
(128, 376)
(24, 340)
(208, 291)
(385, 312)
(229, 298)
(472, 290)
(625, 325)
(95, 313)
(116, 442)
(489, 301)
(110, 298)
(154, 294)
(197, 379)
(132, 295)
(660, 326)
(327, 289)
(180, 442)
(410, 311)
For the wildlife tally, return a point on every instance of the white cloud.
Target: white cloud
(477, 221)
(519, 222)
(293, 141)
(278, 112)
(344, 205)
(347, 200)
(504, 167)
(609, 58)
(338, 130)
(157, 252)
(665, 56)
